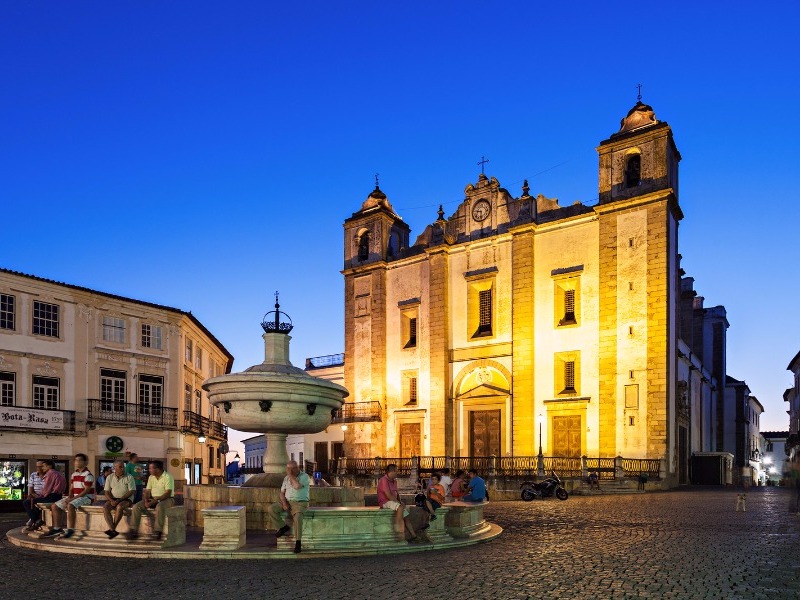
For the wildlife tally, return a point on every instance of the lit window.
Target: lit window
(198, 359)
(569, 308)
(45, 393)
(569, 376)
(45, 319)
(412, 390)
(7, 312)
(112, 390)
(8, 389)
(187, 397)
(113, 330)
(151, 336)
(189, 351)
(484, 313)
(412, 333)
(198, 401)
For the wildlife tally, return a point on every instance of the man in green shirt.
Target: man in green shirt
(158, 496)
(133, 468)
(294, 500)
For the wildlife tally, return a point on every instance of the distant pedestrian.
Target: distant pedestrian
(434, 495)
(741, 501)
(101, 479)
(642, 480)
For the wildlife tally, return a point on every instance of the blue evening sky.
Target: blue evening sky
(204, 154)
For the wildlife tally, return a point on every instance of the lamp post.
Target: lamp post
(540, 457)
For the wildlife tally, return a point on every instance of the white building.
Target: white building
(774, 459)
(92, 372)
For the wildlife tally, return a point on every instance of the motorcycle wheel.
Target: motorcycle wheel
(528, 495)
(561, 494)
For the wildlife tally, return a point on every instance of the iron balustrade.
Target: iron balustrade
(110, 411)
(567, 467)
(358, 412)
(320, 362)
(199, 425)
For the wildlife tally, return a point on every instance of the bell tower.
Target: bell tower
(639, 159)
(373, 237)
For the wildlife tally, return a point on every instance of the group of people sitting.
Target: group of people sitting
(466, 487)
(121, 490)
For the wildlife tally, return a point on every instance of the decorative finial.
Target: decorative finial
(276, 321)
(441, 213)
(639, 95)
(482, 162)
(377, 186)
(525, 187)
(277, 306)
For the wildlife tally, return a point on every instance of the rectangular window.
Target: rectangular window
(484, 313)
(189, 351)
(412, 390)
(569, 307)
(569, 376)
(113, 386)
(113, 330)
(412, 333)
(45, 319)
(45, 393)
(187, 397)
(198, 401)
(8, 389)
(198, 359)
(567, 301)
(219, 459)
(151, 336)
(210, 456)
(151, 394)
(409, 388)
(7, 312)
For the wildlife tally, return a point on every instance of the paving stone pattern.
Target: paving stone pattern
(679, 544)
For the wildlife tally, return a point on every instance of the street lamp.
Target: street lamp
(201, 438)
(540, 457)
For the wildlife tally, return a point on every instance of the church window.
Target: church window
(567, 373)
(633, 171)
(410, 395)
(567, 301)
(484, 313)
(363, 246)
(412, 333)
(409, 327)
(631, 420)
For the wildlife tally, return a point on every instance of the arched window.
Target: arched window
(394, 245)
(363, 246)
(633, 171)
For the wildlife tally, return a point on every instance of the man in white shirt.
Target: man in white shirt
(119, 489)
(294, 500)
(446, 481)
(35, 485)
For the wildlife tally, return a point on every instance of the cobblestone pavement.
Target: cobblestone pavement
(680, 544)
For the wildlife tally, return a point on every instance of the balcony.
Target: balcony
(321, 362)
(130, 413)
(38, 420)
(195, 424)
(358, 412)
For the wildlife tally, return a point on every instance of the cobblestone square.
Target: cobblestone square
(679, 544)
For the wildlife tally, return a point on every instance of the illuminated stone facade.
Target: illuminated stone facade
(516, 315)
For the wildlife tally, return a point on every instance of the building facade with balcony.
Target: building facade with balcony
(87, 371)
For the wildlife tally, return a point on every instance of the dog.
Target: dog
(741, 501)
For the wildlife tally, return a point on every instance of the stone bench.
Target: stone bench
(359, 528)
(224, 528)
(90, 523)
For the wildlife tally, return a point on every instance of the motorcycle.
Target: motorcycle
(544, 489)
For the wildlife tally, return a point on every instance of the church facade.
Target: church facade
(516, 322)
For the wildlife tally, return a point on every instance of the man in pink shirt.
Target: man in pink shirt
(53, 483)
(81, 493)
(389, 499)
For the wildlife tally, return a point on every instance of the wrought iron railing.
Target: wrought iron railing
(199, 425)
(358, 412)
(633, 467)
(566, 467)
(108, 411)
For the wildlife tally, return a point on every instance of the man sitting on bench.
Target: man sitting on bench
(119, 489)
(157, 496)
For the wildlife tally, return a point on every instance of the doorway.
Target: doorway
(321, 456)
(484, 433)
(410, 439)
(567, 436)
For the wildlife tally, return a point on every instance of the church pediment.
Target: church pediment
(483, 391)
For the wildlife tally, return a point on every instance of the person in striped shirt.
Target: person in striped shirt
(81, 493)
(35, 485)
